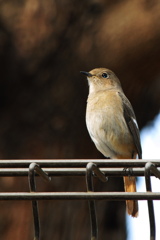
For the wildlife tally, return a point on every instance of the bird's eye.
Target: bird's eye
(104, 75)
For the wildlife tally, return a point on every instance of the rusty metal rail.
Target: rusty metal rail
(102, 169)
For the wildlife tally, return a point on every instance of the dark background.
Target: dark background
(43, 46)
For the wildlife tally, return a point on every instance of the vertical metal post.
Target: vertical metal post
(90, 169)
(150, 167)
(32, 185)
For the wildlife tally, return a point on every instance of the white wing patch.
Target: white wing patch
(134, 120)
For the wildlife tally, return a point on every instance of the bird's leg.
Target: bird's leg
(128, 172)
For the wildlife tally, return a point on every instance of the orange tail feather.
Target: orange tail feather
(131, 205)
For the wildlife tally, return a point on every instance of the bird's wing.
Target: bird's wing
(131, 121)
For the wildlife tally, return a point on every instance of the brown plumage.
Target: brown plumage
(111, 123)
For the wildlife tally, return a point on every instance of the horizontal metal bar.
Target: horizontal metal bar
(110, 172)
(111, 196)
(78, 162)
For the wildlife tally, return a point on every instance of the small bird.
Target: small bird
(112, 124)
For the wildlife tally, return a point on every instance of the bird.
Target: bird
(112, 124)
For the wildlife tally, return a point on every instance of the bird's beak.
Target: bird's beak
(86, 73)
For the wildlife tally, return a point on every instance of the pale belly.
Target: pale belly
(110, 133)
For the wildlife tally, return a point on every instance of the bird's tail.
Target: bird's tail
(131, 205)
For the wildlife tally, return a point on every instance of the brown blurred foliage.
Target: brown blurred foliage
(43, 46)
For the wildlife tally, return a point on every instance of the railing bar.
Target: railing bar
(77, 163)
(111, 196)
(110, 172)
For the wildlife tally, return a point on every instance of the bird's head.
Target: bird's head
(101, 78)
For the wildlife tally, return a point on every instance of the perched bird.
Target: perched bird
(112, 124)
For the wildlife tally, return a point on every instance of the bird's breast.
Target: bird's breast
(105, 110)
(106, 123)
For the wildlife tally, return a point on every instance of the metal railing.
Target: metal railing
(102, 169)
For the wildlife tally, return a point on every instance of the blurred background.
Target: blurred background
(43, 46)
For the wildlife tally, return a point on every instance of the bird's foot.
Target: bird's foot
(128, 172)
